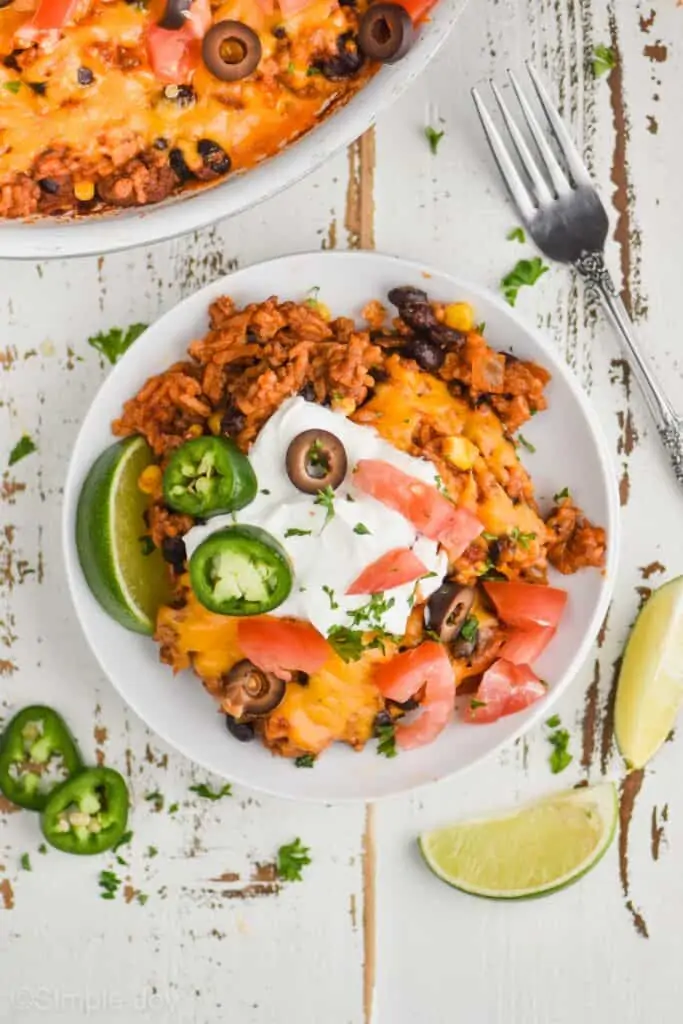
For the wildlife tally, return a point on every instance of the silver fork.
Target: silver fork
(564, 215)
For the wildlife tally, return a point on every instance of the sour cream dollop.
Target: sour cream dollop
(328, 556)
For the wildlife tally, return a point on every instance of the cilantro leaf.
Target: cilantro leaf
(470, 628)
(562, 495)
(371, 613)
(24, 446)
(474, 704)
(516, 235)
(523, 539)
(14, 86)
(604, 60)
(433, 138)
(291, 859)
(330, 593)
(361, 529)
(553, 722)
(25, 862)
(305, 761)
(209, 794)
(125, 838)
(326, 499)
(114, 342)
(560, 757)
(147, 545)
(524, 274)
(526, 444)
(386, 740)
(157, 799)
(348, 643)
(293, 532)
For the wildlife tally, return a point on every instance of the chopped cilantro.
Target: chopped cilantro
(330, 593)
(25, 862)
(361, 529)
(470, 628)
(147, 545)
(440, 485)
(348, 643)
(152, 851)
(474, 704)
(562, 495)
(209, 794)
(481, 327)
(313, 71)
(523, 539)
(24, 446)
(157, 799)
(386, 740)
(516, 235)
(121, 861)
(524, 274)
(172, 808)
(42, 848)
(604, 60)
(326, 499)
(114, 342)
(14, 86)
(123, 841)
(291, 68)
(560, 757)
(526, 444)
(108, 882)
(291, 859)
(293, 532)
(305, 761)
(264, 490)
(372, 612)
(142, 898)
(433, 138)
(553, 722)
(489, 536)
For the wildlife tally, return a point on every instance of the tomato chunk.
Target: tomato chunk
(417, 8)
(523, 646)
(282, 646)
(401, 678)
(174, 53)
(527, 604)
(504, 690)
(397, 567)
(290, 7)
(53, 14)
(424, 506)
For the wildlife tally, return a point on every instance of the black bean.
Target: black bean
(178, 165)
(280, 32)
(301, 678)
(382, 720)
(494, 551)
(308, 392)
(379, 375)
(10, 61)
(160, 143)
(39, 88)
(242, 731)
(214, 156)
(49, 185)
(407, 295)
(346, 63)
(445, 336)
(174, 552)
(407, 705)
(85, 76)
(233, 420)
(181, 95)
(418, 315)
(348, 3)
(427, 356)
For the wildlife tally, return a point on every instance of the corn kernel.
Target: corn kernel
(320, 308)
(196, 430)
(460, 316)
(347, 406)
(84, 191)
(460, 452)
(215, 421)
(149, 481)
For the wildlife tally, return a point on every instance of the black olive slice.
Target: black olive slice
(174, 16)
(242, 731)
(315, 460)
(448, 607)
(231, 50)
(247, 692)
(386, 32)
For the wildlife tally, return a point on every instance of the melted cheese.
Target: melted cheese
(124, 110)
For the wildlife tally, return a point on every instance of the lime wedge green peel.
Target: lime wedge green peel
(650, 688)
(533, 851)
(129, 584)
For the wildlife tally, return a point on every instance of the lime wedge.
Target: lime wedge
(650, 688)
(129, 584)
(533, 851)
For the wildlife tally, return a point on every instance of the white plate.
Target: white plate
(570, 452)
(48, 238)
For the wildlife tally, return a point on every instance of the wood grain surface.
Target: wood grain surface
(369, 935)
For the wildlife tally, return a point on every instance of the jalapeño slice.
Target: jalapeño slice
(241, 570)
(37, 753)
(88, 813)
(208, 476)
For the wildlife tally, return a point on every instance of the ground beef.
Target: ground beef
(148, 179)
(575, 542)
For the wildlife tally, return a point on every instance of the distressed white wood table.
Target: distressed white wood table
(368, 935)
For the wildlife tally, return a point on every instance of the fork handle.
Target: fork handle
(592, 268)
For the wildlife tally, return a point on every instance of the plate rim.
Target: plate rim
(556, 361)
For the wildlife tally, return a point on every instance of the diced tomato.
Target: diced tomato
(523, 646)
(427, 509)
(398, 566)
(53, 14)
(290, 7)
(401, 678)
(527, 604)
(504, 690)
(282, 646)
(417, 8)
(174, 54)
